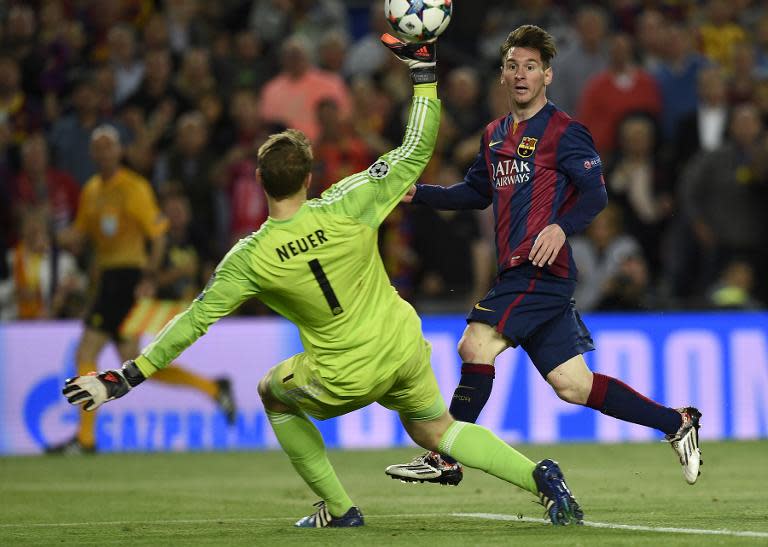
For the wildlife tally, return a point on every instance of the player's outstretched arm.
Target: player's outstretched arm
(93, 390)
(370, 195)
(474, 192)
(229, 287)
(470, 194)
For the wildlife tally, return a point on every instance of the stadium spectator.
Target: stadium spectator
(761, 48)
(251, 66)
(219, 127)
(723, 195)
(454, 262)
(311, 19)
(705, 128)
(371, 353)
(186, 28)
(157, 98)
(676, 74)
(291, 97)
(373, 114)
(104, 80)
(332, 51)
(761, 99)
(22, 111)
(242, 204)
(119, 218)
(189, 164)
(20, 41)
(743, 77)
(718, 33)
(128, 68)
(583, 59)
(187, 260)
(195, 78)
(248, 204)
(40, 186)
(248, 127)
(155, 34)
(734, 289)
(465, 115)
(44, 280)
(540, 170)
(637, 183)
(612, 270)
(652, 33)
(364, 57)
(61, 41)
(270, 20)
(70, 136)
(338, 151)
(610, 96)
(273, 21)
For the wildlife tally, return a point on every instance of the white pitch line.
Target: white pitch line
(486, 516)
(633, 527)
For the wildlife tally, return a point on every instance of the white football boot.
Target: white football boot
(686, 443)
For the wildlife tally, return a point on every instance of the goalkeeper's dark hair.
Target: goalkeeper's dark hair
(285, 160)
(531, 37)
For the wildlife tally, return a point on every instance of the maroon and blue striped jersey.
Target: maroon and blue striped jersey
(541, 171)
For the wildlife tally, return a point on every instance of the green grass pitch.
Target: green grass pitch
(254, 498)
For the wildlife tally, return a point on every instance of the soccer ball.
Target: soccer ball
(418, 20)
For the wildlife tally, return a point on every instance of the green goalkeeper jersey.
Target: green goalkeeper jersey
(321, 270)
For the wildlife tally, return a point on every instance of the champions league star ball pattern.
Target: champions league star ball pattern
(418, 20)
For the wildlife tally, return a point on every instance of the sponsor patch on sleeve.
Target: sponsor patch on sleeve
(594, 162)
(378, 170)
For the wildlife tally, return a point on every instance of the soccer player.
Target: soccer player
(540, 170)
(118, 216)
(316, 262)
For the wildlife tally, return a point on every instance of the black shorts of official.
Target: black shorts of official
(535, 309)
(114, 299)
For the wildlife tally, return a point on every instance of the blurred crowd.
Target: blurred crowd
(674, 92)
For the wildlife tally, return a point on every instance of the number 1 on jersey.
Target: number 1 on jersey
(325, 286)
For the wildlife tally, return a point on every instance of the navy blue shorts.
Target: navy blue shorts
(535, 309)
(114, 300)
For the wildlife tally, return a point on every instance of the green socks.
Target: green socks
(471, 444)
(304, 445)
(475, 446)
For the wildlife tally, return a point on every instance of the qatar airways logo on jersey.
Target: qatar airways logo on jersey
(511, 172)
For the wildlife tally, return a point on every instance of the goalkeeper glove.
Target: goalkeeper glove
(421, 57)
(93, 390)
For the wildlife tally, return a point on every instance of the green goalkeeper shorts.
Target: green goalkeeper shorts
(412, 391)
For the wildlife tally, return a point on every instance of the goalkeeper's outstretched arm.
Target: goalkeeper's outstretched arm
(229, 287)
(370, 195)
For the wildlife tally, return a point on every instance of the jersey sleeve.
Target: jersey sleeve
(579, 160)
(474, 192)
(232, 283)
(370, 195)
(142, 205)
(577, 157)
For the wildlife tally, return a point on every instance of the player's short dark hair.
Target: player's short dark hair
(285, 160)
(532, 37)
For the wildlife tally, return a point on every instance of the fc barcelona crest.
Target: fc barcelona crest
(527, 147)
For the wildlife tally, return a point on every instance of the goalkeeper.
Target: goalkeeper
(317, 264)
